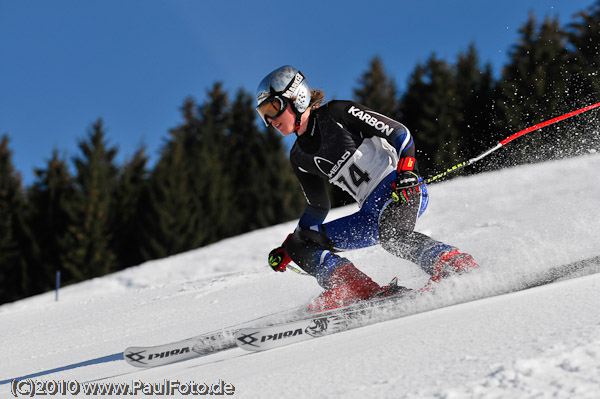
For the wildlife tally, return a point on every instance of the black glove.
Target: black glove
(279, 258)
(406, 185)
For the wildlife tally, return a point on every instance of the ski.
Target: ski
(216, 341)
(319, 323)
(377, 310)
(295, 325)
(200, 345)
(159, 355)
(566, 271)
(259, 339)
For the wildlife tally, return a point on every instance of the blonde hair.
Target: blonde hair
(316, 98)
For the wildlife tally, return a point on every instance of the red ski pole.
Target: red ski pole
(509, 139)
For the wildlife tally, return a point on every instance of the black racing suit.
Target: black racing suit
(357, 149)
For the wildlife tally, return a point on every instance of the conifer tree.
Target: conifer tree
(189, 191)
(429, 111)
(127, 227)
(534, 88)
(171, 220)
(89, 238)
(475, 115)
(377, 90)
(210, 163)
(248, 169)
(584, 35)
(51, 197)
(15, 237)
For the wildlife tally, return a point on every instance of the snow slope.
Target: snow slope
(543, 342)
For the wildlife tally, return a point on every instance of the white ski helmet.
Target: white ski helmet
(286, 82)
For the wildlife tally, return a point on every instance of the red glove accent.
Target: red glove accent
(279, 258)
(406, 164)
(406, 185)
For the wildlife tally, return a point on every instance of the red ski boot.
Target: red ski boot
(452, 262)
(347, 284)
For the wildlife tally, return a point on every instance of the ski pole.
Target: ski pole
(296, 270)
(508, 140)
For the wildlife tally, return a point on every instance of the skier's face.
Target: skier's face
(284, 123)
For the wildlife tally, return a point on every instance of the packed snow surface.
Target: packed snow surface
(473, 338)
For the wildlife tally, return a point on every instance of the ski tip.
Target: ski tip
(136, 356)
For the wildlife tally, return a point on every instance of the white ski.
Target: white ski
(316, 325)
(366, 312)
(152, 356)
(201, 345)
(279, 332)
(263, 338)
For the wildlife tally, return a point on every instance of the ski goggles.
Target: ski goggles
(271, 108)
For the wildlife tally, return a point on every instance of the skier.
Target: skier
(370, 156)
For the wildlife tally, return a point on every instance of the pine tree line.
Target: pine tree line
(219, 175)
(458, 110)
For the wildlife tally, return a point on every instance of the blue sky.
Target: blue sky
(65, 63)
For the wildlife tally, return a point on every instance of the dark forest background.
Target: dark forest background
(219, 174)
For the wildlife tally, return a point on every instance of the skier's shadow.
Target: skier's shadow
(103, 359)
